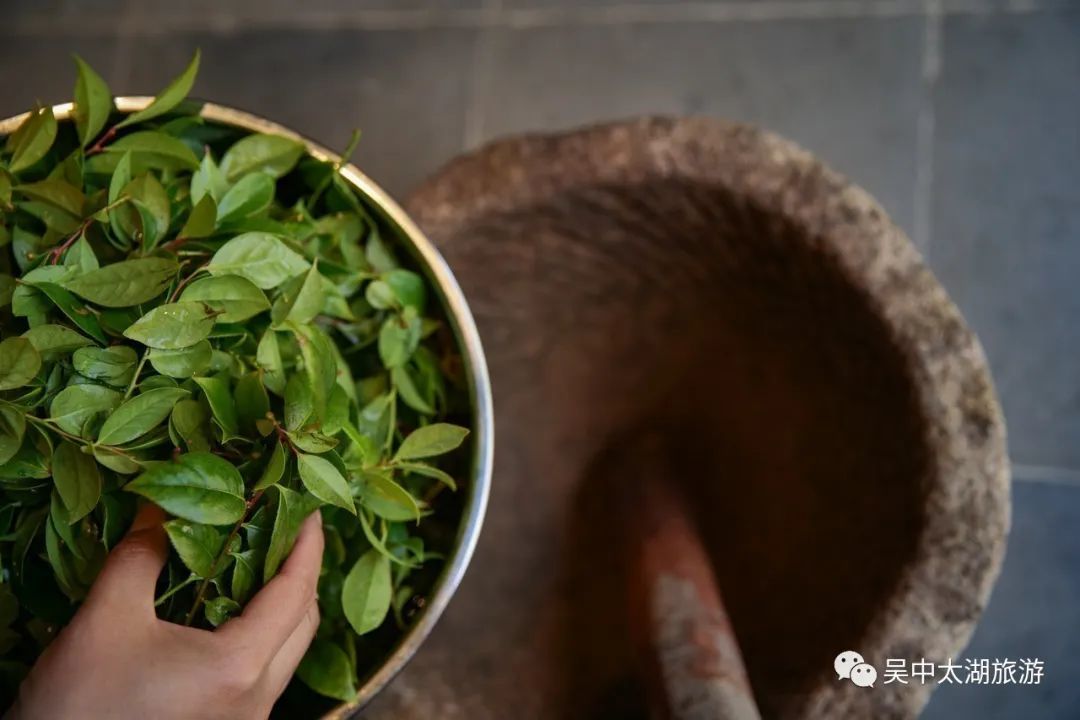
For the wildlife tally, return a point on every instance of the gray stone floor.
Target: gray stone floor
(961, 116)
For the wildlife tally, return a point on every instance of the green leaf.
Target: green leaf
(28, 462)
(260, 257)
(299, 401)
(379, 256)
(78, 480)
(93, 103)
(58, 559)
(337, 411)
(275, 468)
(244, 573)
(222, 404)
(19, 362)
(121, 219)
(152, 203)
(139, 415)
(408, 391)
(208, 181)
(112, 365)
(57, 221)
(426, 470)
(374, 419)
(168, 98)
(48, 339)
(320, 364)
(431, 440)
(173, 326)
(326, 669)
(121, 178)
(149, 150)
(182, 363)
(235, 297)
(366, 594)
(77, 407)
(398, 339)
(252, 195)
(220, 609)
(268, 358)
(57, 192)
(252, 403)
(273, 155)
(198, 486)
(380, 296)
(202, 221)
(32, 140)
(384, 497)
(313, 442)
(302, 302)
(12, 430)
(126, 283)
(335, 303)
(324, 481)
(60, 519)
(7, 289)
(117, 463)
(197, 545)
(81, 257)
(292, 509)
(157, 436)
(74, 310)
(190, 422)
(408, 288)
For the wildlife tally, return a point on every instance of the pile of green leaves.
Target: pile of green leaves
(213, 321)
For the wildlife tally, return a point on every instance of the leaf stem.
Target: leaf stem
(138, 371)
(389, 444)
(169, 593)
(56, 252)
(201, 593)
(183, 283)
(49, 425)
(103, 141)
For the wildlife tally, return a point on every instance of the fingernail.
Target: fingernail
(149, 515)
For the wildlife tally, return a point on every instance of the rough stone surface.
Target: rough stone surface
(833, 415)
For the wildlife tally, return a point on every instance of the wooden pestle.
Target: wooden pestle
(687, 651)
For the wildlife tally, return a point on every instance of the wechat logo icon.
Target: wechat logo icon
(850, 665)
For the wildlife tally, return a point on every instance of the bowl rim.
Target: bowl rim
(461, 320)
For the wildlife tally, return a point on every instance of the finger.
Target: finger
(285, 662)
(275, 611)
(132, 568)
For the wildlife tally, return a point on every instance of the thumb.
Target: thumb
(132, 568)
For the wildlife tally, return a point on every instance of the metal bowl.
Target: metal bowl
(446, 288)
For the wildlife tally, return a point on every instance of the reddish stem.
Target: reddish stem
(283, 437)
(102, 141)
(183, 283)
(56, 252)
(174, 244)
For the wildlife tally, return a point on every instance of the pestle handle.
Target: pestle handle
(686, 646)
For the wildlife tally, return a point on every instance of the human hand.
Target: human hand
(116, 659)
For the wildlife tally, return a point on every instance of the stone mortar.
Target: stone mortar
(835, 417)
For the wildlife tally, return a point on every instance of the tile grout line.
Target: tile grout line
(926, 125)
(744, 11)
(668, 13)
(1044, 474)
(479, 77)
